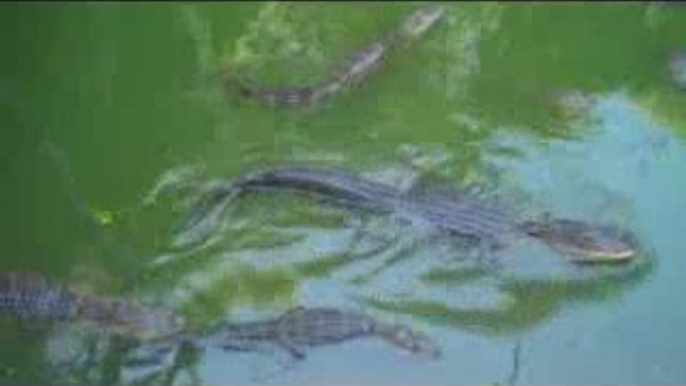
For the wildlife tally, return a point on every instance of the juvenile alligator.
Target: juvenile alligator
(301, 328)
(461, 216)
(362, 63)
(30, 296)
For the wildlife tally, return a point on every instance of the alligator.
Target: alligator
(581, 241)
(31, 296)
(305, 327)
(351, 71)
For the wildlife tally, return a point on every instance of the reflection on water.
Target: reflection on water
(564, 110)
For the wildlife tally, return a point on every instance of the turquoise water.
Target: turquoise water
(567, 109)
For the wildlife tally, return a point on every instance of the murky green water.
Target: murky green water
(567, 109)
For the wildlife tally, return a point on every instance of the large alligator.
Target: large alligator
(362, 63)
(303, 327)
(580, 240)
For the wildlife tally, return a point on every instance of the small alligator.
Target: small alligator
(26, 296)
(302, 327)
(362, 63)
(583, 241)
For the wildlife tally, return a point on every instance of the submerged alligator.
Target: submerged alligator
(581, 241)
(362, 63)
(302, 327)
(29, 296)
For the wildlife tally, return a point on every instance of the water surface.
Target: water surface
(567, 109)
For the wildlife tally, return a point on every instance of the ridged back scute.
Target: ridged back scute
(30, 295)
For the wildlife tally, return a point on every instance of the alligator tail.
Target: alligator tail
(205, 214)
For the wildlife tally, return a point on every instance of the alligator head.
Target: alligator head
(582, 241)
(413, 341)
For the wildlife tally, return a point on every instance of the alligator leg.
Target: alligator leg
(295, 352)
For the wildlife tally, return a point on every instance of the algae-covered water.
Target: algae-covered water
(574, 110)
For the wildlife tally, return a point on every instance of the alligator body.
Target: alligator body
(31, 296)
(301, 328)
(351, 71)
(458, 215)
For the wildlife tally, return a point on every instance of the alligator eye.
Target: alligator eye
(587, 239)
